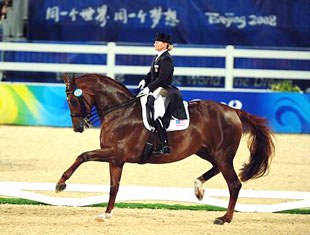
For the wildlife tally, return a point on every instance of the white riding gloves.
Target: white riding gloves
(141, 84)
(145, 91)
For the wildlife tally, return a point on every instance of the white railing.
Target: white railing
(111, 69)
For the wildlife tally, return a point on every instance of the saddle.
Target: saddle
(171, 124)
(153, 145)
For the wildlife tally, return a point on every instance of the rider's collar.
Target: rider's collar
(161, 52)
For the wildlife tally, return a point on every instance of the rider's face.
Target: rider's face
(159, 45)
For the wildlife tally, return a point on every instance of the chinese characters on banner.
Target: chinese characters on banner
(101, 16)
(212, 22)
(156, 14)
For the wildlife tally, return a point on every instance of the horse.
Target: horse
(214, 135)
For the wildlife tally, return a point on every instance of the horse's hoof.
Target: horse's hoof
(60, 187)
(198, 189)
(219, 221)
(103, 216)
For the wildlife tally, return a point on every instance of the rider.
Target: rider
(157, 83)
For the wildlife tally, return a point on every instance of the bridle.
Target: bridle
(82, 101)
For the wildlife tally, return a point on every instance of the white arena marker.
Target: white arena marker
(140, 193)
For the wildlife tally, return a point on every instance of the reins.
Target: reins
(90, 119)
(118, 106)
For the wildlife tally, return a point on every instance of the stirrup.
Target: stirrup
(166, 149)
(163, 150)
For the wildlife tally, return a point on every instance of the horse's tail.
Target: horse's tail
(260, 144)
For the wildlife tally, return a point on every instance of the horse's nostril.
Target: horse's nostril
(79, 128)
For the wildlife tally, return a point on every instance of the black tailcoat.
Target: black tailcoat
(161, 72)
(160, 75)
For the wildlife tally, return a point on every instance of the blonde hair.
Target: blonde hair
(170, 47)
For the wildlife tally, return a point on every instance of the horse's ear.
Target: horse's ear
(66, 78)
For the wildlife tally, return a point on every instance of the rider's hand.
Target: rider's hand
(145, 91)
(141, 84)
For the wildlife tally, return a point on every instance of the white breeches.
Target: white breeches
(161, 102)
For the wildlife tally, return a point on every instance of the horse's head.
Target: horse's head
(80, 103)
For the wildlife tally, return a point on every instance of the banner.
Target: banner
(286, 112)
(22, 104)
(282, 23)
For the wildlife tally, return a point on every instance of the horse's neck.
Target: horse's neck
(108, 93)
(106, 100)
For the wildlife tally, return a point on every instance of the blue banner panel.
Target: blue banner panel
(27, 104)
(286, 112)
(23, 104)
(216, 22)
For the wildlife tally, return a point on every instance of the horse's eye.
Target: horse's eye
(73, 102)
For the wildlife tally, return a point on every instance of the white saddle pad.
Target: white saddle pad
(175, 124)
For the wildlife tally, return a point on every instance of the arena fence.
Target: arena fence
(230, 53)
(293, 200)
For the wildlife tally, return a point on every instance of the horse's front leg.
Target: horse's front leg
(115, 178)
(101, 155)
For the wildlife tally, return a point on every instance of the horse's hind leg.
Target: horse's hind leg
(234, 186)
(198, 189)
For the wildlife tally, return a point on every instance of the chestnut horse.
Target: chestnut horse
(214, 135)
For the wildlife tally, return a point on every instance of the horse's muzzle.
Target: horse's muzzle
(79, 128)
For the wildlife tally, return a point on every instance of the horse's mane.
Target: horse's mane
(102, 77)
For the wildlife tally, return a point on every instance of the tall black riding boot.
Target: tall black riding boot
(150, 109)
(162, 135)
